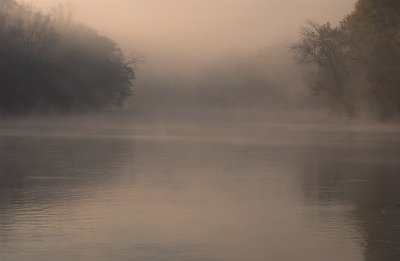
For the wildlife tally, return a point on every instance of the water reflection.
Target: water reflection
(32, 165)
(42, 178)
(191, 193)
(362, 174)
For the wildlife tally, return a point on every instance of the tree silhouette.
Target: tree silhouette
(50, 63)
(358, 62)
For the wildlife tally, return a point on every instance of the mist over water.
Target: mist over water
(220, 154)
(199, 192)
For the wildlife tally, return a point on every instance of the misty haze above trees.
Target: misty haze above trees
(356, 65)
(247, 81)
(259, 80)
(50, 63)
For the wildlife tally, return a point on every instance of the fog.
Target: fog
(222, 151)
(198, 29)
(183, 40)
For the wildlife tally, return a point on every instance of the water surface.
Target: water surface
(189, 192)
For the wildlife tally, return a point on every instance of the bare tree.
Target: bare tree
(324, 48)
(39, 34)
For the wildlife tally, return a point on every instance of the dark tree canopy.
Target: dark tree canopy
(357, 64)
(50, 63)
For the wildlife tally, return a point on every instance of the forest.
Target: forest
(50, 63)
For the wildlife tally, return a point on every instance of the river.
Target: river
(165, 192)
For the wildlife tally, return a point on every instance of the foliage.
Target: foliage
(48, 62)
(356, 64)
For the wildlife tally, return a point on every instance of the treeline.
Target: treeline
(356, 65)
(258, 80)
(50, 63)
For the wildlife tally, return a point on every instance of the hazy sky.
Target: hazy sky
(202, 28)
(211, 25)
